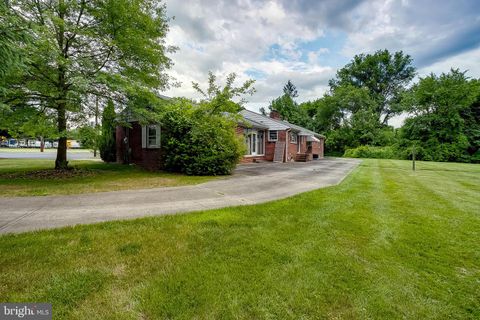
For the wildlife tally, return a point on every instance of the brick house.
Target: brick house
(266, 138)
(140, 145)
(273, 139)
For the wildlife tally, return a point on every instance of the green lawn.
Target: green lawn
(25, 177)
(387, 243)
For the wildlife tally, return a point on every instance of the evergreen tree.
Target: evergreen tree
(107, 139)
(290, 90)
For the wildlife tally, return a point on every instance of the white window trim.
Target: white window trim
(145, 140)
(272, 140)
(296, 138)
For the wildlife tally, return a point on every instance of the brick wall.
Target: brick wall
(148, 158)
(317, 148)
(291, 148)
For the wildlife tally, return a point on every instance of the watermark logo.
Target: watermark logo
(26, 311)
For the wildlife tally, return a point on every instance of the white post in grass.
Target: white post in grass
(413, 157)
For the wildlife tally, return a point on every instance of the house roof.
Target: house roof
(254, 124)
(269, 123)
(312, 139)
(303, 131)
(274, 124)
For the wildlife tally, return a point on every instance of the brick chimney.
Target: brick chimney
(274, 114)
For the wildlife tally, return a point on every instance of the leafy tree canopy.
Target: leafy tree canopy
(218, 99)
(445, 123)
(385, 75)
(13, 37)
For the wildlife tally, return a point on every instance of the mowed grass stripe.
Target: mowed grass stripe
(426, 239)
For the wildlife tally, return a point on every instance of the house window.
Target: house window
(272, 135)
(293, 138)
(151, 136)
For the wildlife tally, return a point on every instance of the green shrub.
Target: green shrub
(388, 152)
(197, 142)
(475, 158)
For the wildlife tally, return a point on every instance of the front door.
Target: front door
(253, 143)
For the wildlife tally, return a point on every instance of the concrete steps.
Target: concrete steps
(301, 157)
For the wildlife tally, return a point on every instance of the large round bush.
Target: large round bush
(198, 142)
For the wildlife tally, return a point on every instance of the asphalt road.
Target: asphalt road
(251, 184)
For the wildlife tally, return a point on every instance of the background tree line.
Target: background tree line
(442, 111)
(60, 57)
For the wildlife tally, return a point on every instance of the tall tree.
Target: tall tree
(287, 107)
(105, 48)
(290, 90)
(347, 116)
(385, 75)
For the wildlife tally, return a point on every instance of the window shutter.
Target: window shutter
(144, 137)
(157, 140)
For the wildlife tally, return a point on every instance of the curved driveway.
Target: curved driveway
(253, 183)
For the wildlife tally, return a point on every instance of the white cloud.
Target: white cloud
(265, 39)
(468, 61)
(236, 37)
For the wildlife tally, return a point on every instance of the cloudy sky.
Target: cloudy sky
(307, 41)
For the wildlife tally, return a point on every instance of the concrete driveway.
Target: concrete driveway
(253, 183)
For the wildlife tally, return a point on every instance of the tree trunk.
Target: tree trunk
(61, 161)
(42, 144)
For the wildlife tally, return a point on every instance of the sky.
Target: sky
(307, 41)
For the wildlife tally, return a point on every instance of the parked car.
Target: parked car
(22, 143)
(12, 143)
(73, 144)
